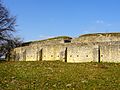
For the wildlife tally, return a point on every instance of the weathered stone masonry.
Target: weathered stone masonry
(100, 47)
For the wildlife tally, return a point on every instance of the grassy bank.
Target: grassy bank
(59, 76)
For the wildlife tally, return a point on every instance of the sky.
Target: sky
(41, 19)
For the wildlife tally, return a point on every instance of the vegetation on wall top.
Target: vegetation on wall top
(54, 38)
(117, 34)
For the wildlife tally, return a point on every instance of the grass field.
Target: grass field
(59, 76)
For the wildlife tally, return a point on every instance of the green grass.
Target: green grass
(59, 76)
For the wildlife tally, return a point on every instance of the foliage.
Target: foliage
(59, 76)
(7, 27)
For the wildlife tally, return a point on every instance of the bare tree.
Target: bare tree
(7, 27)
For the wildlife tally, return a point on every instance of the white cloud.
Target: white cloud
(97, 26)
(109, 24)
(103, 23)
(100, 21)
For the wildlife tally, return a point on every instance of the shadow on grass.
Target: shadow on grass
(2, 60)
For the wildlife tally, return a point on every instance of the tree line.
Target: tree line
(7, 28)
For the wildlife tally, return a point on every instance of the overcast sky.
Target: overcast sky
(39, 19)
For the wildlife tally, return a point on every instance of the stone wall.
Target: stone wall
(62, 52)
(97, 48)
(79, 53)
(68, 53)
(19, 54)
(110, 53)
(39, 53)
(54, 52)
